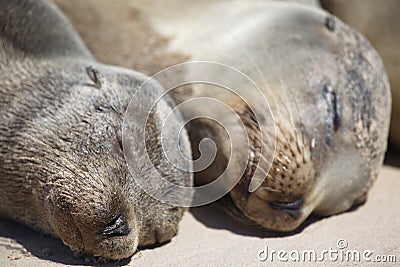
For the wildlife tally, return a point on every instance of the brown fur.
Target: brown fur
(326, 85)
(62, 166)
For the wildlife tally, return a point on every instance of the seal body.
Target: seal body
(62, 164)
(326, 87)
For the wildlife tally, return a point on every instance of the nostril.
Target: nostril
(291, 208)
(117, 227)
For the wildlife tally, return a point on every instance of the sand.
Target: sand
(208, 237)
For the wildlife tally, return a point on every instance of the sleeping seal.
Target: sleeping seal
(326, 87)
(62, 165)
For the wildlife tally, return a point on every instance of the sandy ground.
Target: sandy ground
(208, 237)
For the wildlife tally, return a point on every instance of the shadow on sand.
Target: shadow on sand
(392, 156)
(31, 242)
(213, 216)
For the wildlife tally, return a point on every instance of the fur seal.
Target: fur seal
(62, 165)
(329, 95)
(326, 86)
(384, 35)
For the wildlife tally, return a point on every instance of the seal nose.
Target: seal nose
(291, 208)
(117, 227)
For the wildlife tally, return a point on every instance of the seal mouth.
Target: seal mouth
(117, 227)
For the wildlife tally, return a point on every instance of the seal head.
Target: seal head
(63, 170)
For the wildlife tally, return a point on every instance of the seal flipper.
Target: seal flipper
(46, 33)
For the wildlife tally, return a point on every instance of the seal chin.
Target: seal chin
(282, 215)
(117, 240)
(113, 248)
(102, 231)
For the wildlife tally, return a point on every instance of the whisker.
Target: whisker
(267, 188)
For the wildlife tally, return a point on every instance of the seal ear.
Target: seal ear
(47, 33)
(94, 76)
